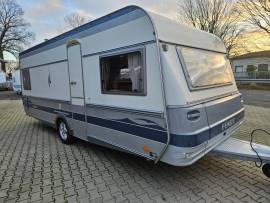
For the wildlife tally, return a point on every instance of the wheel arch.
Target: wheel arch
(61, 117)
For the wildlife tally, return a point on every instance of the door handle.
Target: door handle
(73, 83)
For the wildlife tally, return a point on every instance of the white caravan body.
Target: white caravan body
(137, 82)
(16, 81)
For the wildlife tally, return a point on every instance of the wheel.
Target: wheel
(266, 170)
(64, 132)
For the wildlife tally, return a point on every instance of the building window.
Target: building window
(239, 69)
(263, 67)
(251, 68)
(26, 79)
(123, 74)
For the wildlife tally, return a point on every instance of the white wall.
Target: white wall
(152, 101)
(59, 87)
(48, 56)
(250, 61)
(133, 32)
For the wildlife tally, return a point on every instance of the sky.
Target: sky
(47, 16)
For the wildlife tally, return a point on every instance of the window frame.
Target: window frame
(186, 74)
(239, 66)
(27, 84)
(140, 49)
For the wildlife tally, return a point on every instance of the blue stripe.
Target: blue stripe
(87, 26)
(144, 131)
(49, 110)
(79, 117)
(159, 136)
(150, 124)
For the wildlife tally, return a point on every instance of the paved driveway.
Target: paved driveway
(9, 95)
(36, 167)
(256, 97)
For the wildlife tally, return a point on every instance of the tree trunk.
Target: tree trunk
(3, 64)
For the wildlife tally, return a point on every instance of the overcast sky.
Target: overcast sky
(47, 17)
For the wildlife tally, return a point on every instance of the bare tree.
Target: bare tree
(14, 33)
(75, 19)
(218, 17)
(257, 12)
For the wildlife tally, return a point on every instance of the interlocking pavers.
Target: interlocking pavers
(36, 166)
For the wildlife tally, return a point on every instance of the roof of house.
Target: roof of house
(253, 55)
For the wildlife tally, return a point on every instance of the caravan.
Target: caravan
(16, 82)
(4, 83)
(137, 82)
(3, 80)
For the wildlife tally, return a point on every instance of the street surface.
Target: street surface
(36, 167)
(256, 97)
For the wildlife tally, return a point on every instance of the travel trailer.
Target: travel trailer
(137, 82)
(2, 80)
(4, 83)
(16, 82)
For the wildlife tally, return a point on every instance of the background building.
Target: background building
(252, 66)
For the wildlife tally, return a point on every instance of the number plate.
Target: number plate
(227, 124)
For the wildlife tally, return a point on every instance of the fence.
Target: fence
(252, 75)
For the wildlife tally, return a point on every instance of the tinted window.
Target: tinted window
(206, 68)
(123, 74)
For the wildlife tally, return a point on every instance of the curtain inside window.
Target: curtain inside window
(134, 66)
(106, 74)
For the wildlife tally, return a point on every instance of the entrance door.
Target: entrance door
(76, 89)
(75, 74)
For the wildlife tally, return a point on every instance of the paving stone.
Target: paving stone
(47, 197)
(71, 199)
(3, 193)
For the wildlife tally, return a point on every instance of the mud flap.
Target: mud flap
(240, 149)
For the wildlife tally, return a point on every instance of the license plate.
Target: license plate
(227, 124)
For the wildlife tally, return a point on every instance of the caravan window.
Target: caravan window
(205, 68)
(26, 79)
(123, 74)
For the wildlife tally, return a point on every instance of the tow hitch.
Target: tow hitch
(242, 150)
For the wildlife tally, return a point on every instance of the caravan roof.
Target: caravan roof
(166, 30)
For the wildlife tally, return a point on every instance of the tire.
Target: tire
(266, 170)
(64, 132)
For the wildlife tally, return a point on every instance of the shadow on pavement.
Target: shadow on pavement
(9, 95)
